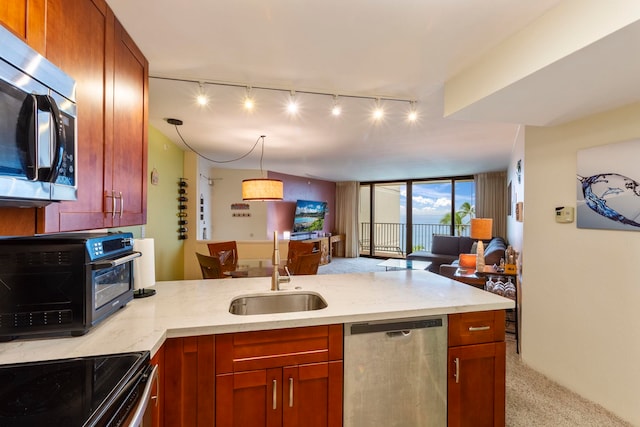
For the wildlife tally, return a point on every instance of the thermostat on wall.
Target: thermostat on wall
(564, 214)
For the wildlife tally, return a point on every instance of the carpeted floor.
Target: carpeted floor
(532, 399)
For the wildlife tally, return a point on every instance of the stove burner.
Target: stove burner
(39, 394)
(63, 392)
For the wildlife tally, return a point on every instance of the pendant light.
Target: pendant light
(262, 189)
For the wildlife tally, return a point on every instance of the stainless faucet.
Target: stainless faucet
(275, 261)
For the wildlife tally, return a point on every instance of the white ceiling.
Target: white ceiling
(368, 48)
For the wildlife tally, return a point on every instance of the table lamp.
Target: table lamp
(481, 229)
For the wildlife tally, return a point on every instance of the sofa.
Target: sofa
(445, 251)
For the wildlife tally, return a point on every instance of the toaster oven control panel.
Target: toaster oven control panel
(106, 246)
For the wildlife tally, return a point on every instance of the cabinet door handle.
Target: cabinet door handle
(275, 394)
(479, 328)
(113, 204)
(121, 203)
(456, 375)
(290, 392)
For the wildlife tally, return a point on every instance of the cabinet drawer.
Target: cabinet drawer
(475, 328)
(245, 351)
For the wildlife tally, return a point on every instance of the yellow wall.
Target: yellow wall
(162, 206)
(581, 292)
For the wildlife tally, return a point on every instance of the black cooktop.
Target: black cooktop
(67, 392)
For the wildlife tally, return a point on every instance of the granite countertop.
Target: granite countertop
(200, 307)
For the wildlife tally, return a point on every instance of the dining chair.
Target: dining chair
(297, 248)
(227, 253)
(210, 266)
(306, 264)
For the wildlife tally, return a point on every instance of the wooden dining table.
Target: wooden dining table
(255, 268)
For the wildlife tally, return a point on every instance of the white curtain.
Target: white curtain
(347, 203)
(491, 200)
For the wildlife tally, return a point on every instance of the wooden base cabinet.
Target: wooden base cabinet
(189, 381)
(290, 377)
(476, 369)
(157, 413)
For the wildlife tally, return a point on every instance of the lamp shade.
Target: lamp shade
(481, 228)
(262, 189)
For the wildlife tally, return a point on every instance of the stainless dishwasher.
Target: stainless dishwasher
(395, 373)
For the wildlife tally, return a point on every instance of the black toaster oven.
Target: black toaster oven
(63, 283)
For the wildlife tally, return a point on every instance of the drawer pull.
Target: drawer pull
(290, 392)
(275, 394)
(479, 328)
(456, 375)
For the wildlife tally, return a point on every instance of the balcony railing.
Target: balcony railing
(390, 238)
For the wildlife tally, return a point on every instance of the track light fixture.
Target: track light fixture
(378, 112)
(413, 113)
(336, 110)
(202, 99)
(248, 100)
(293, 106)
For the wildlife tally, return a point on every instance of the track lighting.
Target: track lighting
(378, 112)
(336, 110)
(248, 100)
(292, 108)
(413, 113)
(202, 99)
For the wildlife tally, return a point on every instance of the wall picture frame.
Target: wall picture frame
(608, 186)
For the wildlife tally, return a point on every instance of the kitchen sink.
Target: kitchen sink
(276, 303)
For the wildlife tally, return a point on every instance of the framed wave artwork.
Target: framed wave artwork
(608, 187)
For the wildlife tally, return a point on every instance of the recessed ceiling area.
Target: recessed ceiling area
(358, 50)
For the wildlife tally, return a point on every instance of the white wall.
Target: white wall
(581, 288)
(227, 190)
(515, 228)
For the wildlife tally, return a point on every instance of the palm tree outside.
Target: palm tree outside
(465, 212)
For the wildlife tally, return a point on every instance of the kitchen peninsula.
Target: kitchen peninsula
(200, 308)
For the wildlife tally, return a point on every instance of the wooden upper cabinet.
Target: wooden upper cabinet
(77, 34)
(126, 139)
(25, 18)
(86, 41)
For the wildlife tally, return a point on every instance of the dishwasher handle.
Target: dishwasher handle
(395, 328)
(398, 334)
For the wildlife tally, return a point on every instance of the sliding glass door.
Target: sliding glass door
(397, 218)
(383, 220)
(441, 207)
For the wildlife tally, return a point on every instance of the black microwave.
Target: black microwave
(63, 284)
(37, 127)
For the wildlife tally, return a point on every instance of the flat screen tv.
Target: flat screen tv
(309, 216)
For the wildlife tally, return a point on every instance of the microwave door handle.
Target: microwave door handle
(26, 134)
(108, 263)
(47, 103)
